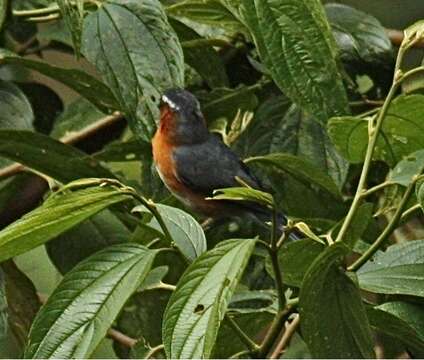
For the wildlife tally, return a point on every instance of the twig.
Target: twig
(121, 338)
(251, 345)
(275, 263)
(409, 211)
(154, 350)
(285, 339)
(70, 139)
(386, 232)
(376, 188)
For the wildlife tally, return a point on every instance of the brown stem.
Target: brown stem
(70, 139)
(396, 37)
(285, 339)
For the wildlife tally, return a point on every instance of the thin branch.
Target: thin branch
(285, 339)
(376, 188)
(70, 139)
(409, 211)
(121, 338)
(275, 263)
(154, 350)
(251, 345)
(391, 226)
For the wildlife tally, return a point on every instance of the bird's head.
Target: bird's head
(181, 117)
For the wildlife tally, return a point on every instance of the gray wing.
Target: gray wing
(210, 165)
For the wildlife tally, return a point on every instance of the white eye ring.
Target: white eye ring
(170, 103)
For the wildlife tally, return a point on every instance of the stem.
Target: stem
(70, 139)
(42, 19)
(36, 12)
(373, 131)
(154, 350)
(206, 42)
(285, 339)
(121, 338)
(165, 286)
(376, 188)
(413, 72)
(409, 211)
(274, 331)
(391, 226)
(275, 263)
(251, 345)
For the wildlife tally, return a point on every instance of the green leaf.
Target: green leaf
(300, 134)
(398, 270)
(295, 258)
(73, 14)
(385, 318)
(244, 194)
(83, 240)
(186, 232)
(419, 191)
(58, 213)
(401, 134)
(360, 37)
(334, 323)
(204, 59)
(16, 111)
(295, 43)
(208, 12)
(301, 169)
(138, 54)
(48, 156)
(87, 86)
(407, 168)
(197, 307)
(78, 314)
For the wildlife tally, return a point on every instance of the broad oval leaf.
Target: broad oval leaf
(402, 132)
(360, 37)
(48, 156)
(86, 85)
(78, 314)
(407, 168)
(197, 307)
(186, 232)
(398, 270)
(334, 323)
(295, 43)
(419, 191)
(387, 319)
(299, 168)
(58, 213)
(138, 54)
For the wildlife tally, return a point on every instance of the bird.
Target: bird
(192, 162)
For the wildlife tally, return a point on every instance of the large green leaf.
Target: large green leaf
(406, 169)
(3, 307)
(58, 213)
(360, 37)
(73, 13)
(86, 85)
(295, 43)
(299, 168)
(204, 59)
(334, 323)
(48, 156)
(78, 314)
(419, 191)
(360, 222)
(401, 321)
(244, 194)
(16, 111)
(398, 270)
(138, 54)
(83, 240)
(402, 132)
(186, 232)
(198, 305)
(300, 134)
